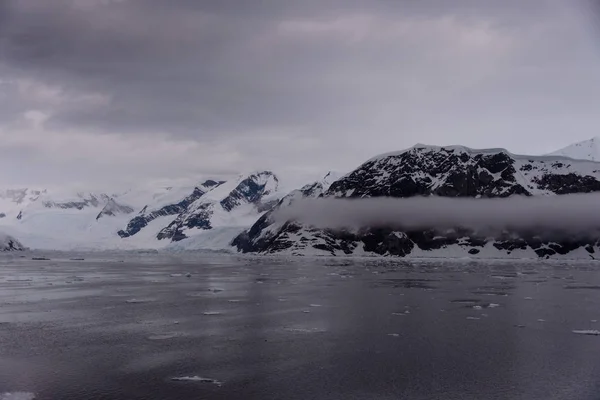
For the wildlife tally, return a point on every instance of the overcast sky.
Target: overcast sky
(118, 90)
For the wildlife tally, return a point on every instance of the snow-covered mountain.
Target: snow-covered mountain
(453, 171)
(586, 150)
(225, 208)
(9, 243)
(144, 217)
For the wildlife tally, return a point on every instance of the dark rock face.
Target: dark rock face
(570, 183)
(420, 172)
(429, 171)
(250, 190)
(210, 183)
(200, 218)
(2, 215)
(112, 208)
(142, 220)
(385, 241)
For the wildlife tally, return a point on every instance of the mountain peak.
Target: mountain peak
(419, 147)
(584, 150)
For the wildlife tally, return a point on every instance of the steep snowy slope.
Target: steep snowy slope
(453, 171)
(165, 206)
(586, 150)
(213, 220)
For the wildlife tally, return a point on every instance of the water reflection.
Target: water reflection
(299, 329)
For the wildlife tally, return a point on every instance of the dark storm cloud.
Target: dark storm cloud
(272, 83)
(218, 66)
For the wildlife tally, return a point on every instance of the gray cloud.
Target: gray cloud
(280, 76)
(576, 214)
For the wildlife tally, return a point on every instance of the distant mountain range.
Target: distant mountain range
(140, 218)
(237, 214)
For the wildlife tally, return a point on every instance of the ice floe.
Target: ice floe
(592, 332)
(197, 379)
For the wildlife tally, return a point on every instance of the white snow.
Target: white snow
(166, 336)
(587, 332)
(197, 379)
(585, 150)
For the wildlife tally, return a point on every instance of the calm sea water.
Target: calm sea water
(122, 326)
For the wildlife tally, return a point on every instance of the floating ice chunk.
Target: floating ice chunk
(594, 320)
(315, 305)
(473, 318)
(477, 307)
(175, 275)
(592, 332)
(304, 330)
(528, 298)
(135, 301)
(394, 334)
(306, 311)
(17, 396)
(197, 379)
(398, 313)
(212, 313)
(165, 336)
(493, 305)
(541, 320)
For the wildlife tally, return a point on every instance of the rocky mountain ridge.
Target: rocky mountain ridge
(452, 171)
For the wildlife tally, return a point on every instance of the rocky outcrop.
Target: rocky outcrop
(9, 243)
(145, 217)
(112, 209)
(453, 171)
(252, 190)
